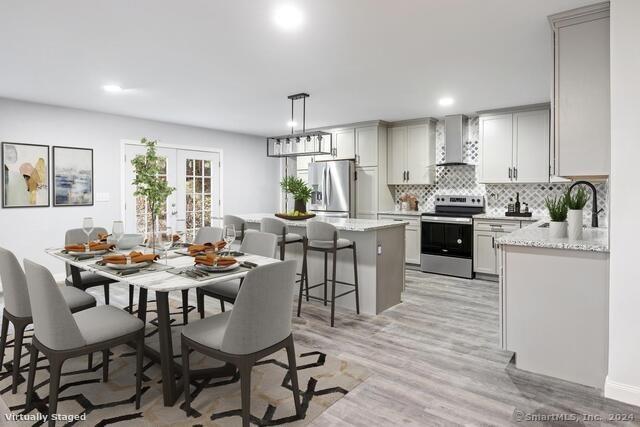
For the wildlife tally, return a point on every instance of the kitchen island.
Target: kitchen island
(554, 301)
(380, 251)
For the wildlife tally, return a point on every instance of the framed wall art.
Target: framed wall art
(72, 176)
(25, 175)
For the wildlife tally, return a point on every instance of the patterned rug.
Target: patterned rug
(323, 380)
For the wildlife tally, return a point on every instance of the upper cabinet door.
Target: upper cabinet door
(531, 146)
(496, 142)
(345, 144)
(396, 155)
(582, 92)
(367, 146)
(367, 191)
(420, 154)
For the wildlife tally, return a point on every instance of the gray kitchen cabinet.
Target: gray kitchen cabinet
(411, 153)
(412, 235)
(367, 146)
(581, 92)
(485, 250)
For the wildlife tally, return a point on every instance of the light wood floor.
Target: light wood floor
(433, 360)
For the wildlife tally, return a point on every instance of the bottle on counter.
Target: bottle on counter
(511, 207)
(516, 206)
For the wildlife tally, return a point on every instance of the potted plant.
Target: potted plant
(575, 203)
(299, 190)
(557, 207)
(154, 190)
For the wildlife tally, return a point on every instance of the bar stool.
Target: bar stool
(279, 228)
(239, 224)
(323, 237)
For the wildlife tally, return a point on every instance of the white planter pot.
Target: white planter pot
(574, 219)
(557, 229)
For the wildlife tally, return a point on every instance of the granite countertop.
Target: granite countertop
(343, 224)
(506, 218)
(394, 212)
(593, 239)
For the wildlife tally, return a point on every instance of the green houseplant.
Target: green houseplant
(557, 207)
(299, 190)
(148, 185)
(575, 203)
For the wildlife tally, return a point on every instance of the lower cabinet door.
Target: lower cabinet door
(484, 252)
(412, 237)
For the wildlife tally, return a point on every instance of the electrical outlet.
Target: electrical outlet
(379, 249)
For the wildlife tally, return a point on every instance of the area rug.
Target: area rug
(323, 380)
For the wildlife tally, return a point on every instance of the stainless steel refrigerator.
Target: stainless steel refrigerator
(333, 186)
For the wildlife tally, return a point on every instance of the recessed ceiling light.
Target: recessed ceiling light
(288, 17)
(291, 124)
(445, 102)
(112, 88)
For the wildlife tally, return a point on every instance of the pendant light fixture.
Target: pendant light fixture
(302, 143)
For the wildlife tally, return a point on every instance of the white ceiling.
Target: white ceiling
(224, 64)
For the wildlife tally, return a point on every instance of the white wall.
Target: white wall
(623, 381)
(250, 179)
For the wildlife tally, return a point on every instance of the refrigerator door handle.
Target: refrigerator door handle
(328, 186)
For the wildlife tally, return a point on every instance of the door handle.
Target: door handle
(407, 175)
(510, 176)
(515, 173)
(493, 242)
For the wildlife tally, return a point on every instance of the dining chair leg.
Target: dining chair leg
(333, 287)
(142, 304)
(55, 368)
(139, 357)
(282, 245)
(185, 306)
(90, 361)
(293, 373)
(200, 299)
(3, 338)
(17, 353)
(222, 305)
(245, 391)
(131, 291)
(106, 293)
(326, 255)
(33, 362)
(355, 278)
(185, 378)
(105, 365)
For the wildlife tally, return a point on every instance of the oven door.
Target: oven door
(447, 236)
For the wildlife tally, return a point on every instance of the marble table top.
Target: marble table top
(163, 281)
(593, 239)
(343, 224)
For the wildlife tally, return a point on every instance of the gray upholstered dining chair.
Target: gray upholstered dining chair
(61, 335)
(17, 308)
(254, 243)
(208, 234)
(85, 279)
(324, 237)
(239, 224)
(279, 228)
(258, 325)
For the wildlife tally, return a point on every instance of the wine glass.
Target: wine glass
(117, 231)
(166, 241)
(181, 229)
(229, 236)
(87, 227)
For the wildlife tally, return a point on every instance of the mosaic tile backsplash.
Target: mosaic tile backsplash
(463, 180)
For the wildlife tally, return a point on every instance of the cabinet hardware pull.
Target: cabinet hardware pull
(515, 173)
(509, 173)
(407, 175)
(493, 242)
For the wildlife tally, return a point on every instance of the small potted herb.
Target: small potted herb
(557, 207)
(299, 190)
(575, 203)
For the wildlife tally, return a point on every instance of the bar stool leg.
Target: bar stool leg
(355, 277)
(333, 287)
(304, 275)
(282, 244)
(326, 254)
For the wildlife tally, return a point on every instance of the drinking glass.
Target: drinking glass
(87, 227)
(229, 236)
(166, 241)
(117, 231)
(181, 229)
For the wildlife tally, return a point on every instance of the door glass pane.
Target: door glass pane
(199, 194)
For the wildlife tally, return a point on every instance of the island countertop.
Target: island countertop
(593, 239)
(343, 224)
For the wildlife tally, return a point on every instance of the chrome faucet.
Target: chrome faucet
(594, 205)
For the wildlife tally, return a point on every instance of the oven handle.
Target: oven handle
(447, 220)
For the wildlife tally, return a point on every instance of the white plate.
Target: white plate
(74, 253)
(215, 269)
(127, 266)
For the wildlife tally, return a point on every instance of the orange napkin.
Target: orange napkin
(216, 246)
(135, 256)
(103, 237)
(93, 246)
(212, 259)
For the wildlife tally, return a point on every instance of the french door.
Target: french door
(196, 177)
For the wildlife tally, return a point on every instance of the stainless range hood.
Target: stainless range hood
(455, 135)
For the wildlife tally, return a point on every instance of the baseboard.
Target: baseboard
(622, 392)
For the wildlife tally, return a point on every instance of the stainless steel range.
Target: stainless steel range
(447, 235)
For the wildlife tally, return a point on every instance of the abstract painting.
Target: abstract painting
(72, 176)
(25, 175)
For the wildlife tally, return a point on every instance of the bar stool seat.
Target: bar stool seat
(279, 228)
(328, 244)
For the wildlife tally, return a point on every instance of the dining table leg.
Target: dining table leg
(169, 388)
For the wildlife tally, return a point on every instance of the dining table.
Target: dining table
(162, 277)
